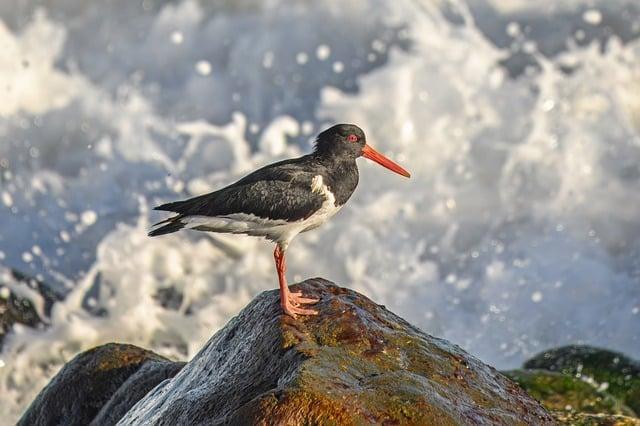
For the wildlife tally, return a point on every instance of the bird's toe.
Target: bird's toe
(303, 311)
(299, 299)
(293, 310)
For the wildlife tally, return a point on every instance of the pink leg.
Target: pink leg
(290, 302)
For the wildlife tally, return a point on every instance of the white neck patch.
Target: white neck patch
(317, 184)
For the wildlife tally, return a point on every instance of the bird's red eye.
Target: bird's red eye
(352, 138)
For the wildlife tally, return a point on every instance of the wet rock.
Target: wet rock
(354, 363)
(134, 389)
(585, 419)
(19, 309)
(564, 393)
(618, 374)
(99, 386)
(169, 298)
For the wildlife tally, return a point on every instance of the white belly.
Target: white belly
(279, 231)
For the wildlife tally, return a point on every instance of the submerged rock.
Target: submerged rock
(99, 386)
(354, 363)
(614, 372)
(563, 393)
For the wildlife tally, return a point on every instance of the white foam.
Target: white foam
(517, 231)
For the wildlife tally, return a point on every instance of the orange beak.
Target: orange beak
(372, 154)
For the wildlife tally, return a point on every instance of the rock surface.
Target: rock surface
(569, 394)
(583, 385)
(354, 363)
(99, 386)
(18, 309)
(619, 374)
(585, 419)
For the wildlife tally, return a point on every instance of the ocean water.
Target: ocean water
(517, 232)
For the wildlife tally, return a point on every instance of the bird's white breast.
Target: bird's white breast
(328, 208)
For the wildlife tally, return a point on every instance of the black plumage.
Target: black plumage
(279, 191)
(172, 226)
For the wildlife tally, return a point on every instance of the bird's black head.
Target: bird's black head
(344, 140)
(347, 141)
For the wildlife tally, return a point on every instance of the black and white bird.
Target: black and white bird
(283, 199)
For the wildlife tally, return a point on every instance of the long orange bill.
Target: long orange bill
(372, 154)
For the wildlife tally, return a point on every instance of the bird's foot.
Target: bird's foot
(298, 299)
(292, 305)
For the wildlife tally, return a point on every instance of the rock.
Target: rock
(560, 392)
(99, 385)
(585, 419)
(354, 363)
(619, 374)
(18, 309)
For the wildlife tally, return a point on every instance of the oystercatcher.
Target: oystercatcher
(282, 200)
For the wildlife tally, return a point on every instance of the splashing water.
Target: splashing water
(517, 232)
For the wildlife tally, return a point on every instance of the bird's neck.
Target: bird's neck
(342, 174)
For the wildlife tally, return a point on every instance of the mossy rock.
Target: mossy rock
(585, 419)
(560, 392)
(355, 363)
(619, 374)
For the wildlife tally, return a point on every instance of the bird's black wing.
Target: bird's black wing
(277, 191)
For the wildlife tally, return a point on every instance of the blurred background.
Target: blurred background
(519, 120)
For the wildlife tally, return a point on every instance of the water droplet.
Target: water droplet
(322, 52)
(378, 46)
(513, 29)
(302, 58)
(7, 199)
(177, 37)
(89, 217)
(203, 67)
(592, 16)
(450, 203)
(536, 296)
(307, 128)
(267, 59)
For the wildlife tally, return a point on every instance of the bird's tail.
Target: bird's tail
(173, 224)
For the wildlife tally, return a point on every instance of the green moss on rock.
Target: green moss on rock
(585, 419)
(560, 392)
(614, 372)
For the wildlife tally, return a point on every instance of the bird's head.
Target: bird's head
(349, 141)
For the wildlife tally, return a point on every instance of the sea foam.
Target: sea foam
(517, 232)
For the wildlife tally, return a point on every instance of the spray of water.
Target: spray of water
(517, 232)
